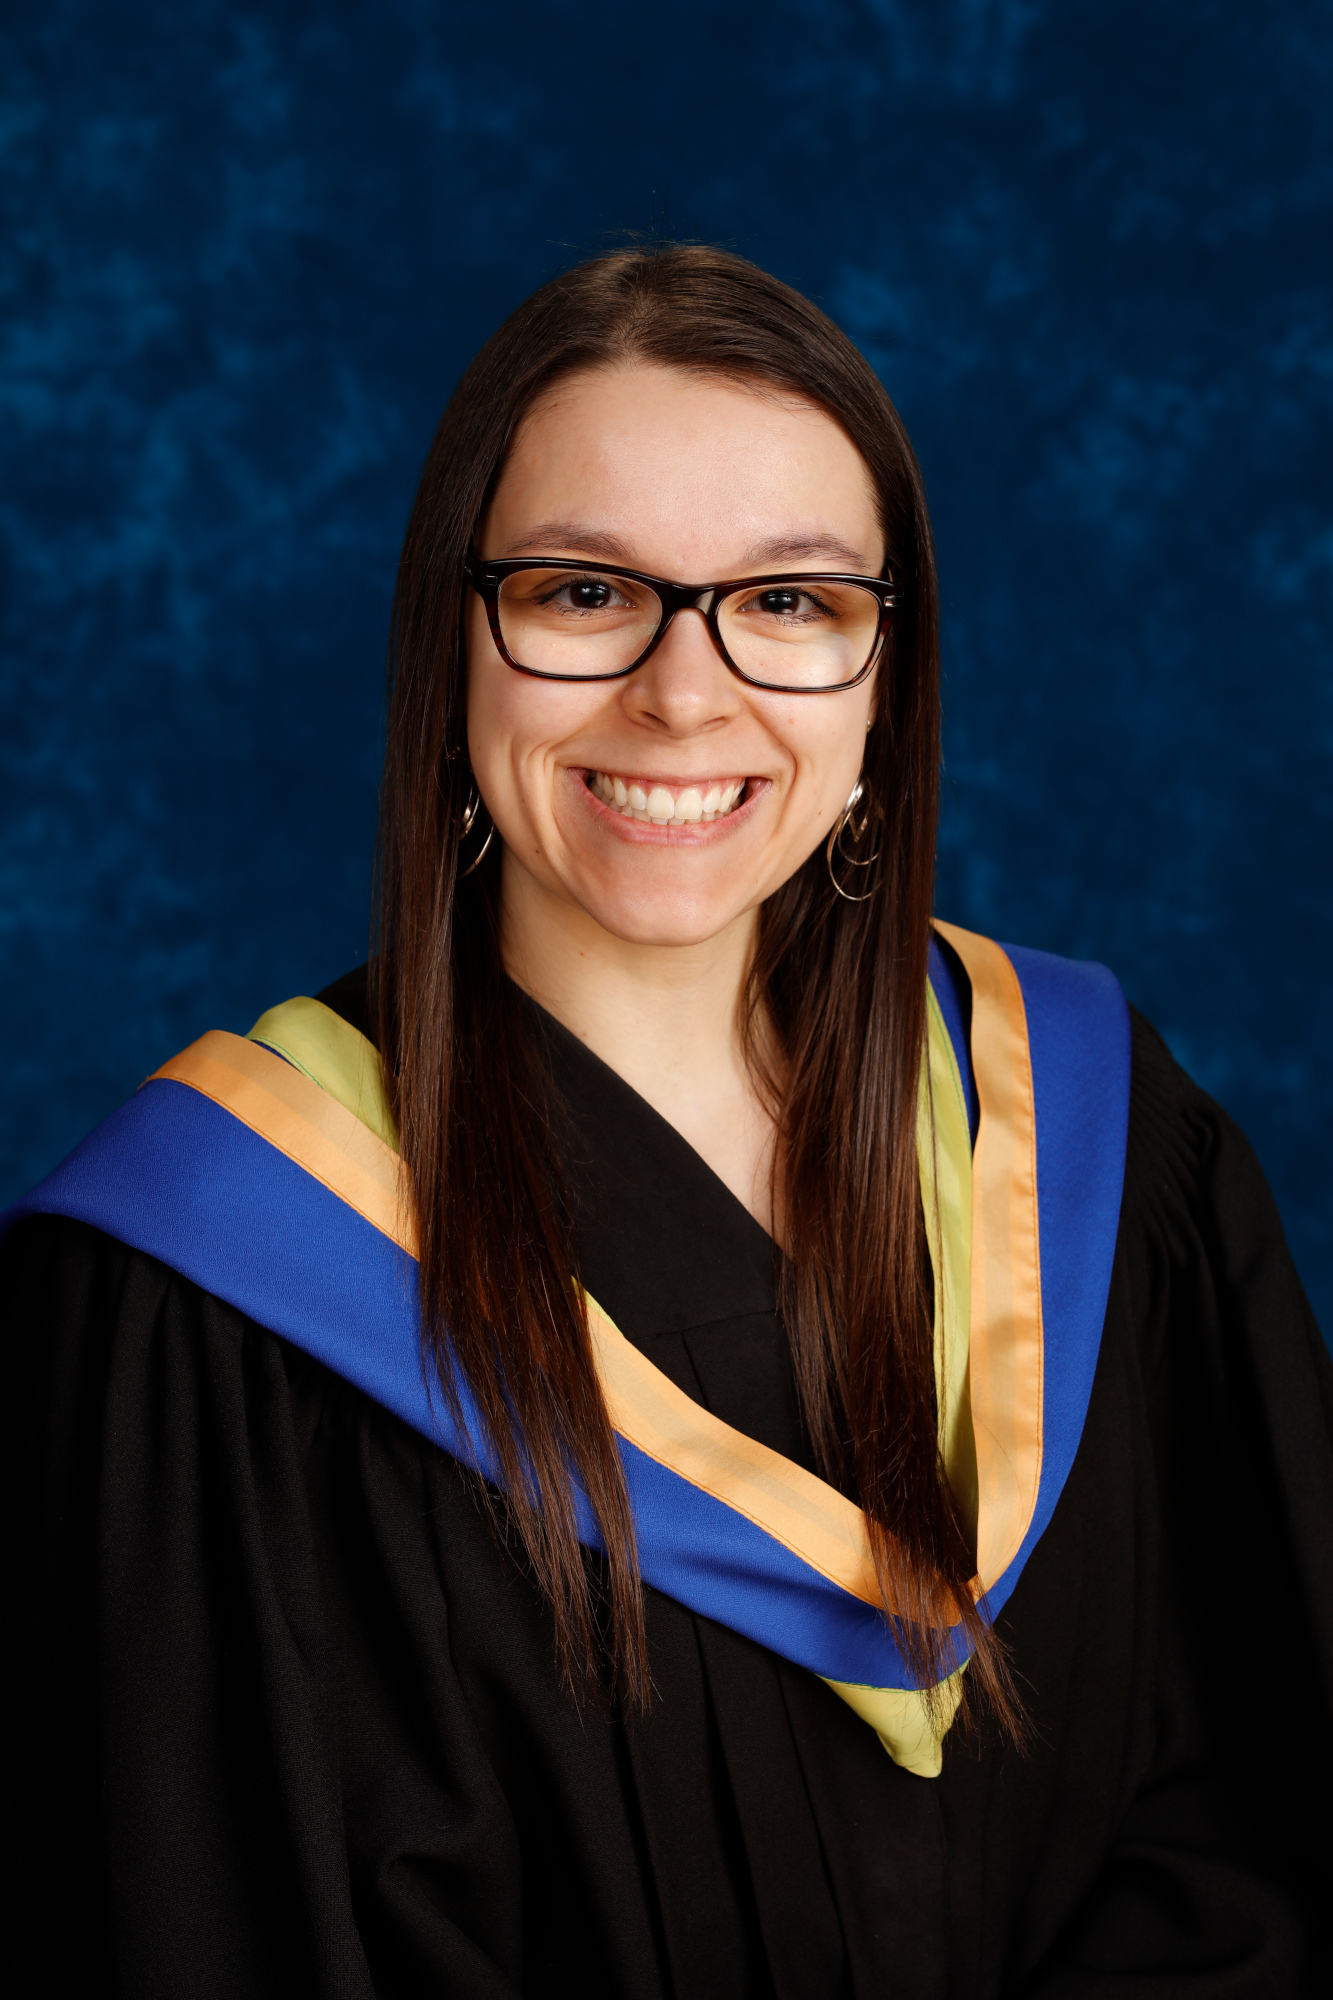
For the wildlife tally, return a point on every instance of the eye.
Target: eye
(787, 604)
(582, 594)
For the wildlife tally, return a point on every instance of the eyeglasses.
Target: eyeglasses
(562, 620)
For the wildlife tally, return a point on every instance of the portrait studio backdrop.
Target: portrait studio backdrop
(247, 251)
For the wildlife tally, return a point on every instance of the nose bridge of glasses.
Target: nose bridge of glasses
(671, 634)
(676, 597)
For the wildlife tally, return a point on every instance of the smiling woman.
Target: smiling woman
(647, 818)
(687, 1430)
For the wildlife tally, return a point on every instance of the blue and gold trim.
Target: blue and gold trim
(264, 1170)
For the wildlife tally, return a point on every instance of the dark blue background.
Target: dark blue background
(247, 251)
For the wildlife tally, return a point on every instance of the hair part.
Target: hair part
(468, 1083)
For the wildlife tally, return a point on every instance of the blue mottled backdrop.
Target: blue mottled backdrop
(247, 251)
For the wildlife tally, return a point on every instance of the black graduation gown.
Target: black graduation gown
(288, 1721)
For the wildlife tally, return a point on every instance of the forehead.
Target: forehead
(687, 464)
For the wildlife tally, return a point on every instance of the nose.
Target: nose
(684, 686)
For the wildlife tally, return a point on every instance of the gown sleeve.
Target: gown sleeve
(1212, 1685)
(247, 1764)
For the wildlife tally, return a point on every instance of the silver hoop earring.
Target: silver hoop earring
(855, 817)
(470, 812)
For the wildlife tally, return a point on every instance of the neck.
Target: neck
(666, 1018)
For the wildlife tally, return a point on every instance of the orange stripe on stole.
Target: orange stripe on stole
(302, 1121)
(1006, 1354)
(310, 1127)
(795, 1507)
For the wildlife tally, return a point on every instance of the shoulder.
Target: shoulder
(1174, 1126)
(1176, 1135)
(1187, 1162)
(1094, 1059)
(1189, 1193)
(100, 1333)
(1204, 1264)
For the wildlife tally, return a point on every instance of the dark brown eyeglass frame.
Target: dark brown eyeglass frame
(486, 579)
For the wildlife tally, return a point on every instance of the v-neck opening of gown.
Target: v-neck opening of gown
(664, 1242)
(668, 1251)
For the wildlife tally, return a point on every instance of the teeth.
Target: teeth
(657, 807)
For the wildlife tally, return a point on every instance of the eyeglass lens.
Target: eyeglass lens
(802, 633)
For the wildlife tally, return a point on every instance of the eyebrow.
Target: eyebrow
(549, 536)
(803, 548)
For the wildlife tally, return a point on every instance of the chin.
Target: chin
(665, 920)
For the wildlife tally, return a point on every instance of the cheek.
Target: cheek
(500, 712)
(486, 673)
(519, 730)
(829, 749)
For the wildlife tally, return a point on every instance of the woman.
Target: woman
(470, 1578)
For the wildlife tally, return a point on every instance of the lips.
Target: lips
(658, 804)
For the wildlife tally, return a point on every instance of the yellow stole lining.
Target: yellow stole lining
(1005, 1320)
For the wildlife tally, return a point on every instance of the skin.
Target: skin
(638, 938)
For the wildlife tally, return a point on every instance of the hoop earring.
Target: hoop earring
(858, 821)
(470, 812)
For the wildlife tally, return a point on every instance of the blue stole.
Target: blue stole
(239, 1171)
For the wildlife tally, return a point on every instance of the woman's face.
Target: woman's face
(692, 479)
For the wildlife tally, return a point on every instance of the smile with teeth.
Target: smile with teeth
(666, 805)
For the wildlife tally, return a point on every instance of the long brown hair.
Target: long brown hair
(467, 1082)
